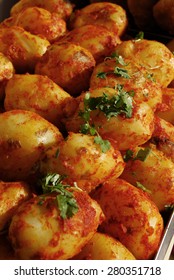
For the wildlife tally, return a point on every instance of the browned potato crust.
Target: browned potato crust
(131, 217)
(166, 109)
(68, 65)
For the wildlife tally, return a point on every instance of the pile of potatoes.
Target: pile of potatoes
(48, 71)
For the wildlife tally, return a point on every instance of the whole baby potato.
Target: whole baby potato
(36, 93)
(108, 15)
(61, 7)
(153, 55)
(104, 247)
(21, 47)
(24, 137)
(131, 217)
(12, 194)
(68, 65)
(155, 172)
(83, 161)
(37, 230)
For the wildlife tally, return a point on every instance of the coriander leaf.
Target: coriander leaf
(102, 75)
(142, 154)
(139, 36)
(121, 72)
(119, 59)
(128, 155)
(142, 187)
(104, 144)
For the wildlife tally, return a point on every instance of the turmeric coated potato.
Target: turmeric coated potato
(153, 55)
(37, 230)
(97, 39)
(61, 7)
(68, 65)
(36, 93)
(24, 136)
(155, 172)
(163, 12)
(108, 15)
(104, 247)
(21, 47)
(83, 161)
(39, 21)
(131, 217)
(166, 109)
(6, 72)
(12, 194)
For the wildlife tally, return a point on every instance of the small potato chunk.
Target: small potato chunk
(153, 55)
(104, 247)
(155, 173)
(83, 161)
(97, 39)
(108, 15)
(166, 110)
(36, 93)
(131, 217)
(6, 73)
(12, 194)
(61, 7)
(24, 137)
(68, 65)
(21, 47)
(38, 232)
(39, 21)
(163, 12)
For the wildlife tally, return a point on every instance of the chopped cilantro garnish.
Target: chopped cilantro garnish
(142, 187)
(141, 155)
(65, 199)
(139, 36)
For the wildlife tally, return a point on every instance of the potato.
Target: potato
(83, 161)
(6, 251)
(153, 55)
(24, 137)
(163, 13)
(12, 194)
(61, 7)
(68, 65)
(166, 110)
(38, 232)
(131, 217)
(6, 72)
(97, 39)
(109, 15)
(104, 247)
(36, 93)
(21, 47)
(39, 21)
(155, 173)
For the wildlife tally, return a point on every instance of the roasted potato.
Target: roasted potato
(153, 55)
(21, 47)
(36, 93)
(104, 247)
(37, 230)
(97, 39)
(39, 21)
(12, 194)
(61, 7)
(166, 109)
(24, 136)
(131, 217)
(83, 161)
(68, 65)
(155, 172)
(109, 15)
(6, 72)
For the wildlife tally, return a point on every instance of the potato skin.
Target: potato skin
(21, 47)
(109, 15)
(131, 217)
(12, 194)
(82, 160)
(156, 173)
(36, 93)
(153, 55)
(97, 39)
(39, 21)
(61, 7)
(24, 137)
(104, 247)
(68, 65)
(38, 231)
